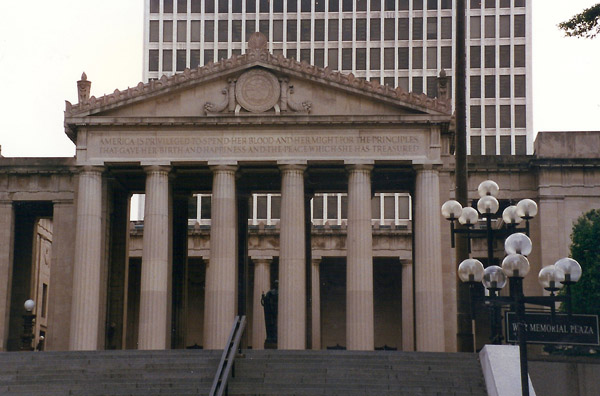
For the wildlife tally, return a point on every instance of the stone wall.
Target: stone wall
(565, 376)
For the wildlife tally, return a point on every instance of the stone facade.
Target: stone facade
(170, 283)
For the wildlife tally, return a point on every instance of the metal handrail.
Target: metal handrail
(219, 386)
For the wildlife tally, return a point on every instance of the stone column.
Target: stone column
(221, 270)
(262, 284)
(7, 217)
(87, 267)
(408, 311)
(359, 261)
(429, 300)
(154, 323)
(291, 318)
(61, 276)
(315, 281)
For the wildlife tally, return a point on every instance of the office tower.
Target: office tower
(402, 43)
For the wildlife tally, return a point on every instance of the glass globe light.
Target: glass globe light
(488, 187)
(29, 305)
(468, 216)
(451, 210)
(518, 243)
(515, 266)
(526, 208)
(494, 278)
(551, 278)
(487, 205)
(571, 269)
(509, 215)
(470, 270)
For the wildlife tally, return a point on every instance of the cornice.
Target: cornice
(258, 57)
(37, 165)
(549, 163)
(260, 119)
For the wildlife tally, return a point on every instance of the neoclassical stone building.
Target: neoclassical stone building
(255, 169)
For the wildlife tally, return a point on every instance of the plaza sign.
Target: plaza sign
(544, 328)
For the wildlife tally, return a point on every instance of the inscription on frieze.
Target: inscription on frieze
(256, 145)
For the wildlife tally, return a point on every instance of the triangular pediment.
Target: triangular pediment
(256, 83)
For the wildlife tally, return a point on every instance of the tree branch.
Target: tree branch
(586, 24)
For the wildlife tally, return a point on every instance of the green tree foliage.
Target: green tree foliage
(585, 248)
(586, 24)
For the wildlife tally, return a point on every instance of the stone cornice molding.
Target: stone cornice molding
(37, 171)
(259, 56)
(252, 119)
(570, 163)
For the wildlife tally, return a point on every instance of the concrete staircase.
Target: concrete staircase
(108, 373)
(350, 373)
(190, 372)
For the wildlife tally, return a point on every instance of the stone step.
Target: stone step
(108, 373)
(148, 373)
(308, 389)
(252, 368)
(356, 373)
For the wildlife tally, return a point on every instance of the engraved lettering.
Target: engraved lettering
(257, 145)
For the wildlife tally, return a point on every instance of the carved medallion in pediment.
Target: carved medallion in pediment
(257, 90)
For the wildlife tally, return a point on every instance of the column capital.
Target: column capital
(427, 167)
(57, 202)
(91, 169)
(262, 260)
(358, 167)
(157, 168)
(223, 167)
(290, 167)
(316, 260)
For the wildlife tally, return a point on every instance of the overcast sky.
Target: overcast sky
(46, 45)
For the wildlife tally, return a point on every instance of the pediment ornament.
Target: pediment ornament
(258, 91)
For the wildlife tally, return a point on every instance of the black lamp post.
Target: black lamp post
(515, 266)
(28, 321)
(487, 207)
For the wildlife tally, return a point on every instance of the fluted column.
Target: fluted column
(85, 305)
(221, 271)
(428, 262)
(359, 261)
(154, 324)
(408, 311)
(262, 284)
(315, 282)
(291, 318)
